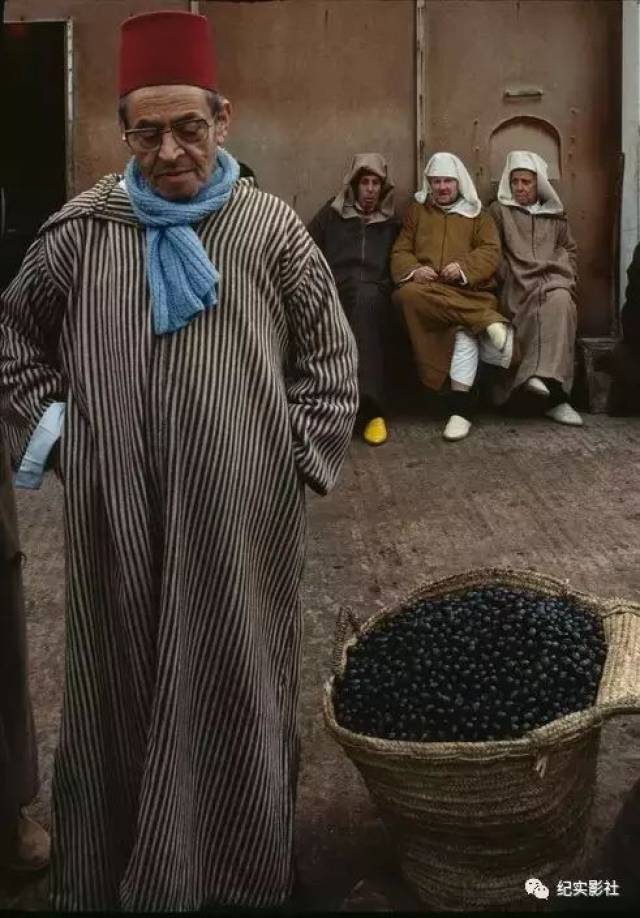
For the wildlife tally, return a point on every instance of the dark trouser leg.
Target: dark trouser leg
(557, 394)
(18, 761)
(370, 408)
(365, 310)
(9, 813)
(462, 404)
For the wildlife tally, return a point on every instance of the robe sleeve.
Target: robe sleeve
(322, 388)
(482, 262)
(31, 377)
(567, 242)
(496, 216)
(503, 268)
(403, 258)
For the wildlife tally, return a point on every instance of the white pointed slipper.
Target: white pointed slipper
(535, 385)
(565, 414)
(457, 428)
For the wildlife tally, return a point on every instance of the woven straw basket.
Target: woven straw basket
(473, 821)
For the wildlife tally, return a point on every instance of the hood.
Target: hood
(548, 199)
(447, 165)
(345, 201)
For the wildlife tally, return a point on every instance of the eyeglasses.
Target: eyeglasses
(185, 133)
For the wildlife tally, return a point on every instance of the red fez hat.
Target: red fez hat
(163, 48)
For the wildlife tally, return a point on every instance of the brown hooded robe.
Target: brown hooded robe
(357, 249)
(538, 283)
(434, 311)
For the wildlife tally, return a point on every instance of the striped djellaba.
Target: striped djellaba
(183, 459)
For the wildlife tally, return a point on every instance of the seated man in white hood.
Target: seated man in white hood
(444, 263)
(538, 277)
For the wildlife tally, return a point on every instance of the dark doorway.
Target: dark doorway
(33, 155)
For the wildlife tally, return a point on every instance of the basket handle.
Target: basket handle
(347, 619)
(619, 691)
(617, 605)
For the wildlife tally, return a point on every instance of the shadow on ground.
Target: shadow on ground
(519, 493)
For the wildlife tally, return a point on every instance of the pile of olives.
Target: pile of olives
(490, 663)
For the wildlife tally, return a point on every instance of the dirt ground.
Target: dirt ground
(524, 493)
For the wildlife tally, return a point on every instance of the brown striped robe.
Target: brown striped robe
(183, 459)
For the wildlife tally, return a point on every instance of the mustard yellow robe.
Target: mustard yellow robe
(434, 311)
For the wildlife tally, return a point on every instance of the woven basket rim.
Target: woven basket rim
(478, 576)
(565, 730)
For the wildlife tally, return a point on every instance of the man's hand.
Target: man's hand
(451, 273)
(424, 274)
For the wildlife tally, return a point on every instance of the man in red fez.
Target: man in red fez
(174, 346)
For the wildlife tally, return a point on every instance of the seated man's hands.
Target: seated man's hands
(451, 274)
(424, 274)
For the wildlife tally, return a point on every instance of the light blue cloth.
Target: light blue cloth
(182, 280)
(43, 439)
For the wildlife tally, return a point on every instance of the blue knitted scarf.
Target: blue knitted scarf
(182, 280)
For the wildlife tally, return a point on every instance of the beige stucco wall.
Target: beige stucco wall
(314, 81)
(311, 81)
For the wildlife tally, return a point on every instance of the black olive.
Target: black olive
(488, 663)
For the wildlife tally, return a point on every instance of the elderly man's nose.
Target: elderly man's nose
(169, 149)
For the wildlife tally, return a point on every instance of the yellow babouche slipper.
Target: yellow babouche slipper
(375, 432)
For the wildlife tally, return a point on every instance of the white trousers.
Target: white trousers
(469, 350)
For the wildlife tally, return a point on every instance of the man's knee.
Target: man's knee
(561, 299)
(405, 293)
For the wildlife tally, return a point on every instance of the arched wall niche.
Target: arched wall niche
(525, 132)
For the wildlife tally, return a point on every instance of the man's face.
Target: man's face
(177, 169)
(524, 186)
(444, 190)
(368, 193)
